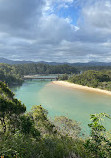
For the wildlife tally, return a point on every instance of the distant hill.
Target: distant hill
(11, 62)
(92, 63)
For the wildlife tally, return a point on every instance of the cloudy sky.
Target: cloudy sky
(56, 30)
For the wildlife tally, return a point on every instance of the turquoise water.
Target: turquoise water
(58, 100)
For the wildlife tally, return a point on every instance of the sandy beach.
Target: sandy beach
(76, 86)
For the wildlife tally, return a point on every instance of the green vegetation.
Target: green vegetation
(63, 77)
(13, 74)
(100, 141)
(30, 134)
(92, 78)
(33, 135)
(89, 67)
(31, 69)
(9, 74)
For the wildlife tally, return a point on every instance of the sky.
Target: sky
(56, 30)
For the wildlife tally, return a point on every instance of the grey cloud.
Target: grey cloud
(53, 29)
(99, 15)
(27, 32)
(19, 15)
(95, 22)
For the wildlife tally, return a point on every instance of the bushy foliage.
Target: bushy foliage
(9, 74)
(92, 78)
(34, 135)
(67, 126)
(40, 68)
(99, 144)
(10, 108)
(63, 77)
(13, 74)
(29, 135)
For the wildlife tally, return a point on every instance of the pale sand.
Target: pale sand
(76, 86)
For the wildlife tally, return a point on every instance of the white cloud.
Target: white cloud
(98, 15)
(32, 30)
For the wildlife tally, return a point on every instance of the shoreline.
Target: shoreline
(77, 86)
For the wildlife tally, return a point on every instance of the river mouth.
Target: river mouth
(63, 101)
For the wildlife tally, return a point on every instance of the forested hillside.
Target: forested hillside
(33, 135)
(89, 67)
(13, 74)
(9, 74)
(92, 78)
(30, 69)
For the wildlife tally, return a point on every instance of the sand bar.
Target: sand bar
(76, 86)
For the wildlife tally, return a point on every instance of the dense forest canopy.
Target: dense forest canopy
(14, 73)
(33, 135)
(89, 67)
(92, 78)
(9, 74)
(30, 69)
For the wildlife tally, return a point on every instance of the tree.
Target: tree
(10, 108)
(67, 126)
(39, 115)
(98, 144)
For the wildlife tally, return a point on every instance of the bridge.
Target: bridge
(40, 78)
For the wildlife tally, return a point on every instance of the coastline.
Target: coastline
(77, 86)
